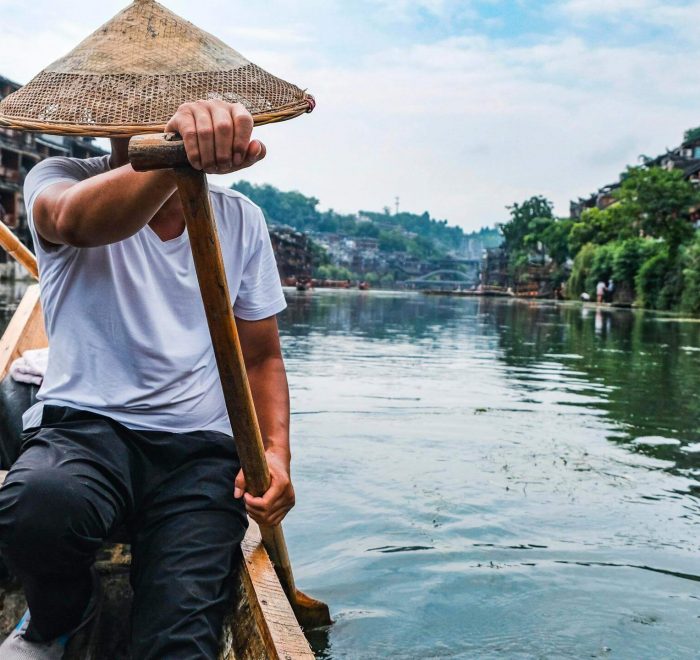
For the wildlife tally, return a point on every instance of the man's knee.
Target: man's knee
(44, 516)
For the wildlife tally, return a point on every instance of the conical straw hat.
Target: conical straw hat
(130, 76)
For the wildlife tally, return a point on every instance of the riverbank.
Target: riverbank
(565, 303)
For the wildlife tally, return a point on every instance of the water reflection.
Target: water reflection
(648, 364)
(377, 316)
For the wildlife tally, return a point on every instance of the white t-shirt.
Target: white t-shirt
(126, 324)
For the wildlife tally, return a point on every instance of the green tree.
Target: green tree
(526, 220)
(691, 135)
(658, 201)
(555, 238)
(628, 257)
(331, 272)
(392, 241)
(601, 226)
(283, 208)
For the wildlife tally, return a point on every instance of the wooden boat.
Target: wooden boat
(469, 293)
(261, 623)
(304, 283)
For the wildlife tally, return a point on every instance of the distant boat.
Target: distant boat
(363, 286)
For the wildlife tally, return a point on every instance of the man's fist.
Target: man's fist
(217, 136)
(275, 504)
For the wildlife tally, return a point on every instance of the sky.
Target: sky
(459, 108)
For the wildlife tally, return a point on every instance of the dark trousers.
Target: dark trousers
(80, 476)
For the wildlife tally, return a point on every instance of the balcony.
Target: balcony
(9, 175)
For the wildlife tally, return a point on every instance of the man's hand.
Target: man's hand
(217, 136)
(275, 504)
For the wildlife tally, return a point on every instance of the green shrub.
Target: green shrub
(579, 272)
(629, 255)
(672, 290)
(601, 268)
(690, 300)
(660, 280)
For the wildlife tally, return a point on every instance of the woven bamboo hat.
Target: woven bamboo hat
(130, 76)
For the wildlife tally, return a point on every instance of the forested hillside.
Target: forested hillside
(421, 235)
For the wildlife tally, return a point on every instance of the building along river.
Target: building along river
(495, 479)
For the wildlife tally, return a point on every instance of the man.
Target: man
(600, 290)
(131, 426)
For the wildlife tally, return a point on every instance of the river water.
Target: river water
(495, 479)
(488, 479)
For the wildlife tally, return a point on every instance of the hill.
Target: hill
(421, 235)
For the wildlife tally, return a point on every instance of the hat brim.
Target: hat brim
(123, 131)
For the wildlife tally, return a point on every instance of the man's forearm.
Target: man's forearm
(110, 207)
(268, 384)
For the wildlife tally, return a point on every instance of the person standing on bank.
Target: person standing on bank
(131, 426)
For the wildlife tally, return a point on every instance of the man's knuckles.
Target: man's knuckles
(223, 127)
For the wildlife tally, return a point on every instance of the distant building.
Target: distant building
(494, 268)
(598, 200)
(686, 157)
(19, 152)
(293, 251)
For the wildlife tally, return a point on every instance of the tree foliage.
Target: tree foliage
(600, 227)
(658, 202)
(532, 235)
(526, 222)
(691, 135)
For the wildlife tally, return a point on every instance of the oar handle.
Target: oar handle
(16, 249)
(157, 151)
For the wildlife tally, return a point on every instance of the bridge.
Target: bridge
(447, 279)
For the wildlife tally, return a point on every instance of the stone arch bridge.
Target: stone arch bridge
(447, 279)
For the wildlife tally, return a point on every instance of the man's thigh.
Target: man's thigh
(185, 539)
(70, 477)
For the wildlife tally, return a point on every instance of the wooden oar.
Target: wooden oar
(18, 250)
(161, 151)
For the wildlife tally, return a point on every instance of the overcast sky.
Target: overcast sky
(458, 107)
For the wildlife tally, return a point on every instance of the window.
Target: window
(8, 208)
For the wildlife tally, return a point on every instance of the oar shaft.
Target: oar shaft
(208, 261)
(17, 250)
(206, 253)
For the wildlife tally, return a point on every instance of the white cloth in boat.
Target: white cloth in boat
(126, 323)
(30, 367)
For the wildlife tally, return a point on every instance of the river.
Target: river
(495, 479)
(488, 479)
